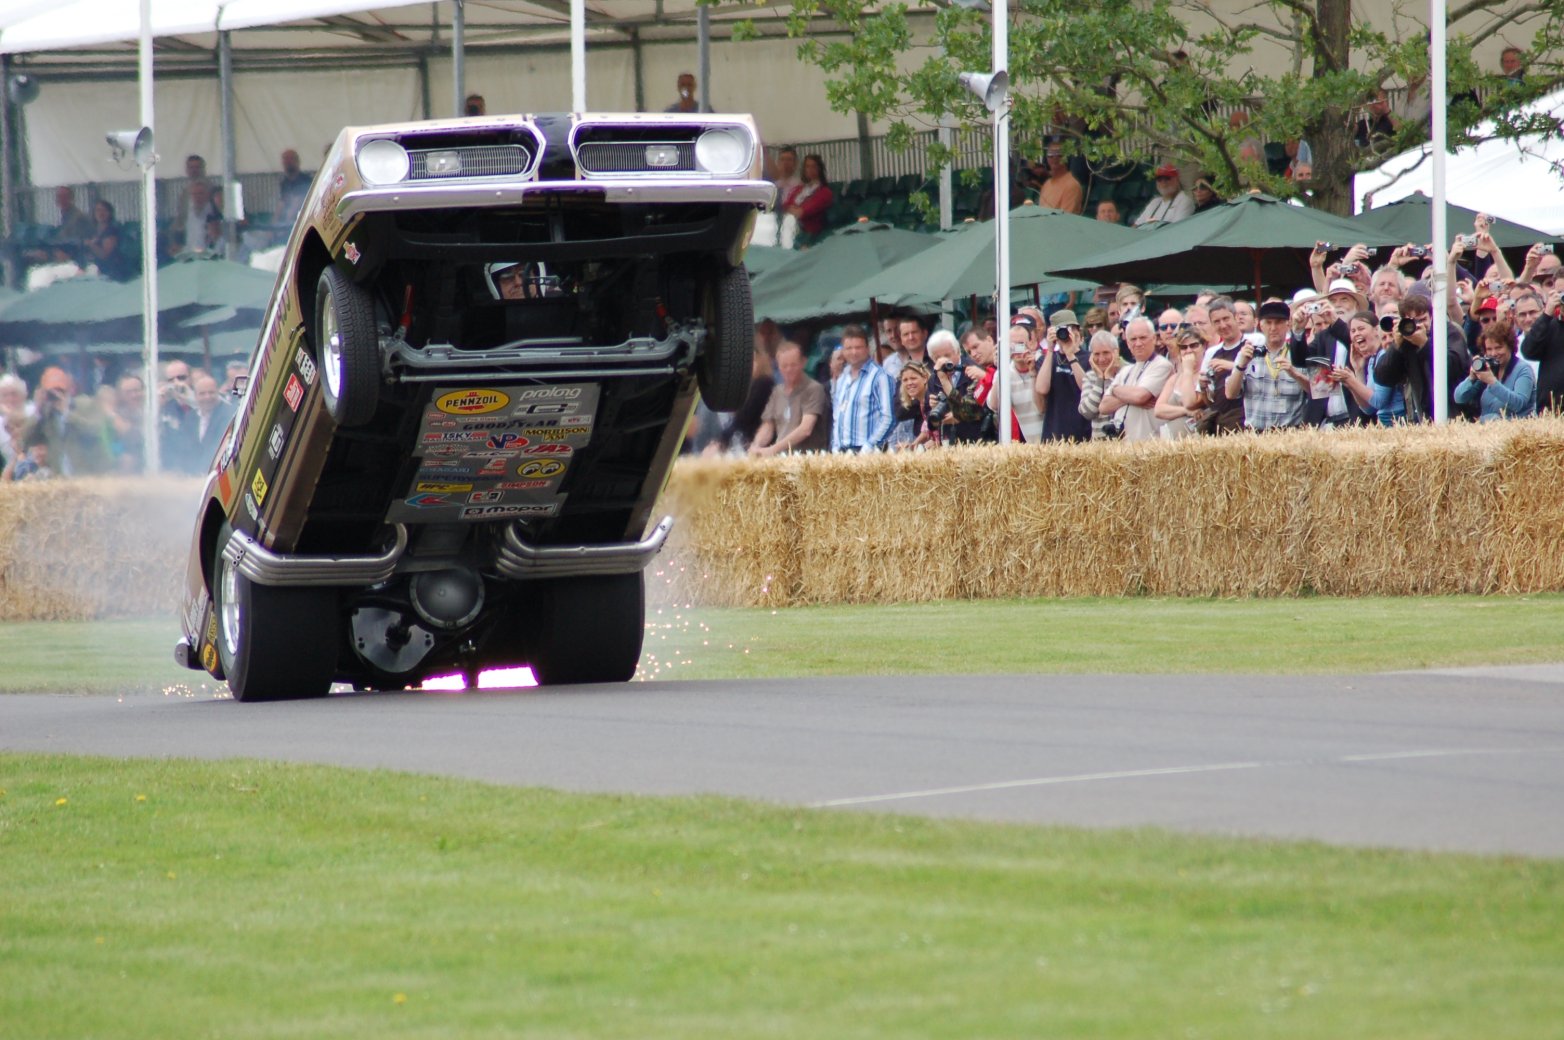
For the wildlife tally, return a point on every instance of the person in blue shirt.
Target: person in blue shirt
(861, 398)
(1504, 386)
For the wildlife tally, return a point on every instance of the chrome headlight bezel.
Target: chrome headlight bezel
(382, 162)
(724, 151)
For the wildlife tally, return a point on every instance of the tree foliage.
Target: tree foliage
(1158, 80)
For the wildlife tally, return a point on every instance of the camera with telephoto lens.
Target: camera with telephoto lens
(945, 366)
(1407, 327)
(1483, 363)
(939, 409)
(1387, 323)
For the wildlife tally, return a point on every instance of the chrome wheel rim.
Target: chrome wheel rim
(331, 348)
(229, 611)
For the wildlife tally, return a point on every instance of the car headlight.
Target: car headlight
(723, 151)
(383, 162)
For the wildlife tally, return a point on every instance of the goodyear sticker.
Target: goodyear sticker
(437, 486)
(259, 488)
(472, 402)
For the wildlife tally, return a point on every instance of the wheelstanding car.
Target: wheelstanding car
(483, 349)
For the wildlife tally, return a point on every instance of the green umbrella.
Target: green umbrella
(70, 300)
(1411, 220)
(961, 263)
(1256, 240)
(760, 259)
(798, 290)
(202, 282)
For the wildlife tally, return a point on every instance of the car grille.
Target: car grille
(486, 160)
(630, 156)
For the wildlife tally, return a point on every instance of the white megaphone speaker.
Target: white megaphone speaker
(988, 87)
(22, 89)
(136, 144)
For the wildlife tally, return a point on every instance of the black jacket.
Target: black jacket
(1412, 368)
(1544, 344)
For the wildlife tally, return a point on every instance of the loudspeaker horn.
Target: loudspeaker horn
(137, 144)
(989, 87)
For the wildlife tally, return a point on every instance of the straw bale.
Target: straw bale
(102, 547)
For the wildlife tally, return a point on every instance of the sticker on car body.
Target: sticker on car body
(471, 402)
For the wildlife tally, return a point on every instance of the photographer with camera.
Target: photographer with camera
(178, 436)
(1105, 363)
(954, 414)
(1353, 266)
(1501, 384)
(75, 432)
(1274, 392)
(1538, 319)
(1059, 380)
(1409, 363)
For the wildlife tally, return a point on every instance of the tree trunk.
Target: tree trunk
(1330, 134)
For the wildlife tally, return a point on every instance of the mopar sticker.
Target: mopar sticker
(504, 512)
(471, 402)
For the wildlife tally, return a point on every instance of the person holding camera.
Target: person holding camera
(75, 433)
(955, 416)
(1409, 363)
(1105, 363)
(1061, 373)
(1274, 392)
(1502, 385)
(1538, 319)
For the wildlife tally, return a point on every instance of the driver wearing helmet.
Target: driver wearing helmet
(514, 280)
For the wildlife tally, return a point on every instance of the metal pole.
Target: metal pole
(231, 200)
(7, 131)
(459, 57)
(639, 60)
(578, 56)
(703, 56)
(1002, 221)
(149, 249)
(947, 137)
(1438, 323)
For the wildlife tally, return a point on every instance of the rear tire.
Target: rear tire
(586, 630)
(727, 360)
(347, 348)
(274, 643)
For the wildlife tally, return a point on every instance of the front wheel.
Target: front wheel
(586, 630)
(274, 643)
(727, 360)
(347, 348)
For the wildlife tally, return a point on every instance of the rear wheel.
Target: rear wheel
(274, 643)
(347, 347)
(586, 630)
(727, 359)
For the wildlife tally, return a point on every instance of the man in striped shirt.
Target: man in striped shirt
(860, 398)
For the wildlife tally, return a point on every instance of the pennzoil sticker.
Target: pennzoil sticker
(471, 402)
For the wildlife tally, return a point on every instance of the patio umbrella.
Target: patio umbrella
(1411, 220)
(202, 282)
(961, 262)
(1256, 240)
(799, 290)
(72, 312)
(758, 260)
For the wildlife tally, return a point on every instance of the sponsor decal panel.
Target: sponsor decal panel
(441, 487)
(522, 485)
(550, 449)
(428, 501)
(506, 442)
(493, 468)
(563, 433)
(540, 469)
(480, 498)
(293, 393)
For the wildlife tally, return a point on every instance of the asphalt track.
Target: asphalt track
(1467, 760)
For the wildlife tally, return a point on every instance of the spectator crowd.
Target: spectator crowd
(1354, 348)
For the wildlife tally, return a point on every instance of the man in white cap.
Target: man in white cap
(1274, 392)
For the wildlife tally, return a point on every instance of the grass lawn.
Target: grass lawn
(1016, 636)
(244, 900)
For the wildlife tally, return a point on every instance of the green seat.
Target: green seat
(908, 183)
(1276, 157)
(856, 188)
(841, 213)
(893, 209)
(882, 186)
(869, 207)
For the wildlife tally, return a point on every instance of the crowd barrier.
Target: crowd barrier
(1412, 511)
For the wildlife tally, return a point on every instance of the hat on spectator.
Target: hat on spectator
(1023, 321)
(1490, 303)
(1304, 296)
(1059, 319)
(1346, 287)
(1276, 309)
(1166, 170)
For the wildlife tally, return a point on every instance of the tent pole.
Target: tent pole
(232, 204)
(703, 55)
(458, 57)
(1002, 182)
(578, 56)
(153, 455)
(7, 211)
(1254, 254)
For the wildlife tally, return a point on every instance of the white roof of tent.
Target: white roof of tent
(1521, 180)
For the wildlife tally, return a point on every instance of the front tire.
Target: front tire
(274, 643)
(347, 348)
(587, 630)
(727, 359)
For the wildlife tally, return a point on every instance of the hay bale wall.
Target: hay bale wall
(1400, 512)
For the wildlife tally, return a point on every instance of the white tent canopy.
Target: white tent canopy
(1521, 181)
